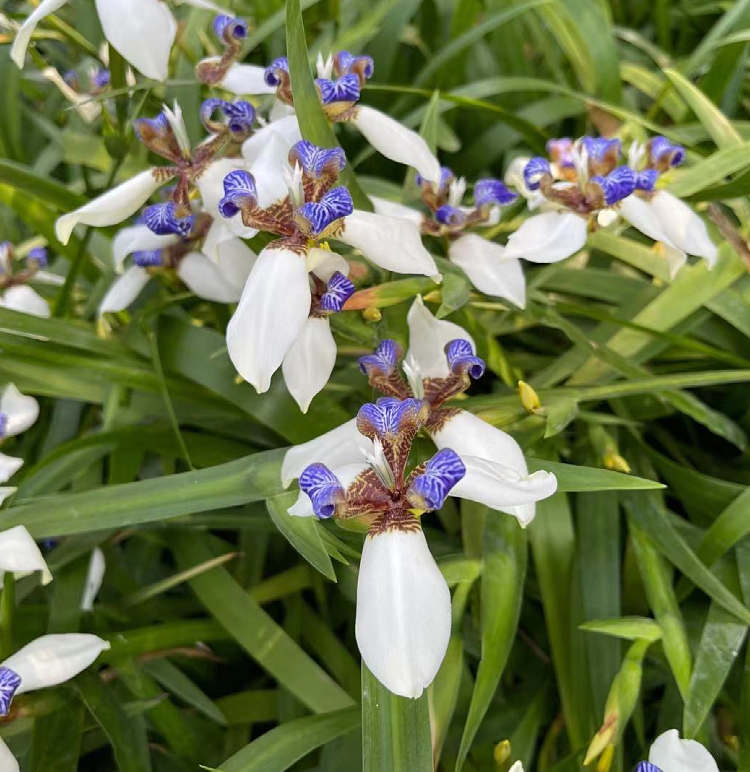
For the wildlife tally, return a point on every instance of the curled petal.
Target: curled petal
(462, 359)
(165, 219)
(142, 31)
(323, 489)
(383, 361)
(94, 579)
(124, 290)
(309, 362)
(488, 269)
(277, 71)
(211, 187)
(389, 417)
(548, 237)
(492, 192)
(672, 754)
(345, 474)
(230, 28)
(138, 238)
(26, 30)
(206, 279)
(391, 243)
(334, 205)
(339, 447)
(429, 489)
(239, 187)
(535, 169)
(20, 411)
(395, 141)
(54, 659)
(339, 290)
(428, 338)
(112, 207)
(684, 228)
(270, 316)
(451, 216)
(403, 611)
(20, 555)
(24, 299)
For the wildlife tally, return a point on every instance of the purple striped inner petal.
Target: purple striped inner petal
(344, 63)
(383, 360)
(661, 151)
(561, 151)
(451, 216)
(646, 179)
(429, 489)
(388, 417)
(617, 185)
(647, 766)
(229, 27)
(599, 148)
(488, 192)
(164, 219)
(535, 170)
(239, 187)
(3, 424)
(317, 161)
(276, 71)
(149, 258)
(39, 256)
(463, 360)
(339, 290)
(343, 89)
(9, 683)
(323, 488)
(337, 203)
(147, 128)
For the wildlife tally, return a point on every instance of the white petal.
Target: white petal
(124, 290)
(642, 216)
(205, 4)
(287, 128)
(8, 761)
(672, 754)
(336, 448)
(88, 110)
(393, 140)
(488, 269)
(502, 488)
(684, 228)
(324, 263)
(428, 337)
(469, 435)
(218, 233)
(675, 259)
(25, 31)
(205, 279)
(177, 124)
(272, 312)
(517, 767)
(268, 166)
(24, 299)
(389, 242)
(21, 410)
(392, 209)
(142, 31)
(280, 110)
(8, 467)
(346, 474)
(548, 237)
(403, 611)
(243, 79)
(112, 207)
(309, 362)
(54, 659)
(235, 261)
(5, 492)
(94, 579)
(20, 555)
(137, 238)
(211, 187)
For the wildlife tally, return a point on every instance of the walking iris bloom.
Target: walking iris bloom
(18, 413)
(671, 754)
(46, 661)
(403, 602)
(340, 81)
(142, 31)
(15, 292)
(483, 261)
(282, 316)
(584, 184)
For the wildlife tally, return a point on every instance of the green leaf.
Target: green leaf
(504, 556)
(301, 532)
(711, 171)
(629, 628)
(395, 730)
(578, 479)
(48, 190)
(281, 747)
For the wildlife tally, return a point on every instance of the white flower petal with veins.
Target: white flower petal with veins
(309, 362)
(403, 619)
(671, 754)
(548, 237)
(270, 316)
(20, 555)
(26, 300)
(389, 242)
(338, 447)
(20, 410)
(54, 659)
(393, 140)
(206, 279)
(488, 269)
(112, 207)
(428, 337)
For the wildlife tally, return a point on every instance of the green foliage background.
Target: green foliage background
(148, 447)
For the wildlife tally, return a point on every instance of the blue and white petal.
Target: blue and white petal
(389, 242)
(309, 362)
(383, 361)
(339, 290)
(317, 160)
(403, 619)
(323, 489)
(393, 140)
(671, 754)
(343, 89)
(491, 192)
(534, 170)
(488, 269)
(138, 238)
(335, 205)
(165, 219)
(112, 207)
(462, 358)
(346, 474)
(389, 416)
(428, 338)
(20, 555)
(124, 290)
(548, 237)
(273, 309)
(442, 472)
(211, 187)
(9, 683)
